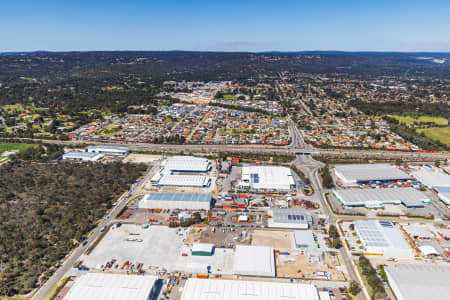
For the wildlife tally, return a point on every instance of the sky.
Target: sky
(208, 25)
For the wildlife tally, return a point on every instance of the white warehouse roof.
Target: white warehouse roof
(184, 180)
(382, 237)
(216, 289)
(102, 286)
(254, 261)
(408, 196)
(419, 281)
(176, 201)
(369, 172)
(443, 193)
(431, 176)
(187, 164)
(85, 156)
(290, 218)
(267, 178)
(111, 149)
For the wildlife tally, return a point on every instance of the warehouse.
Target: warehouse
(382, 238)
(182, 180)
(375, 198)
(254, 261)
(190, 164)
(112, 286)
(82, 156)
(443, 193)
(290, 218)
(176, 201)
(304, 240)
(109, 150)
(431, 176)
(202, 249)
(419, 281)
(217, 289)
(418, 232)
(351, 175)
(267, 179)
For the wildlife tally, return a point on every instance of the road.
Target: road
(134, 191)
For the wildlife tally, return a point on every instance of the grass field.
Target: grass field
(441, 134)
(228, 97)
(13, 146)
(408, 120)
(236, 131)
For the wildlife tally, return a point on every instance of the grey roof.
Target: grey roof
(420, 281)
(305, 237)
(291, 216)
(374, 233)
(179, 197)
(76, 154)
(408, 196)
(368, 172)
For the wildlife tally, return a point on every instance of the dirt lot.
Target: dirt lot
(224, 239)
(274, 239)
(298, 266)
(144, 216)
(141, 158)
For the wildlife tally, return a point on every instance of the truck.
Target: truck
(103, 228)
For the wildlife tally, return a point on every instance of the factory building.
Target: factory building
(352, 175)
(431, 176)
(290, 218)
(82, 156)
(202, 249)
(109, 150)
(254, 261)
(176, 201)
(217, 289)
(265, 179)
(419, 281)
(382, 238)
(189, 164)
(375, 198)
(112, 286)
(181, 180)
(443, 193)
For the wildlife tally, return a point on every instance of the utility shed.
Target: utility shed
(112, 287)
(254, 261)
(202, 249)
(373, 198)
(354, 174)
(419, 281)
(290, 218)
(216, 289)
(176, 201)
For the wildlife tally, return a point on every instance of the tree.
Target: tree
(354, 288)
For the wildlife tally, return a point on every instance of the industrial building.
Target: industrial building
(375, 198)
(112, 286)
(176, 201)
(109, 150)
(254, 261)
(352, 175)
(418, 232)
(290, 218)
(430, 176)
(382, 238)
(82, 156)
(181, 180)
(202, 249)
(419, 281)
(267, 179)
(189, 164)
(443, 193)
(216, 289)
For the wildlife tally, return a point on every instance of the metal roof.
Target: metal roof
(305, 237)
(268, 177)
(381, 234)
(187, 164)
(254, 261)
(408, 196)
(108, 148)
(101, 286)
(368, 172)
(216, 289)
(79, 154)
(291, 216)
(202, 247)
(184, 180)
(178, 197)
(419, 281)
(431, 176)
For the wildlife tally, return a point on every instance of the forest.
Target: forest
(46, 208)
